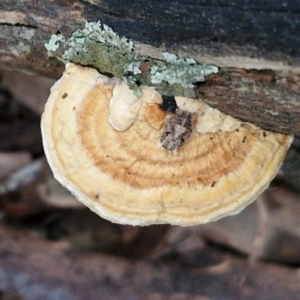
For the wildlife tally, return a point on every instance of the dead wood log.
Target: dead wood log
(240, 37)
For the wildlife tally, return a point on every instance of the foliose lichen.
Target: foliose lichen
(175, 70)
(54, 43)
(99, 46)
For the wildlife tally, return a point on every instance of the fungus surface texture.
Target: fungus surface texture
(126, 175)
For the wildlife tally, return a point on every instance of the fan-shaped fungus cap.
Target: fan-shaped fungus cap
(215, 169)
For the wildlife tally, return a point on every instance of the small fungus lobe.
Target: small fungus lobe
(178, 129)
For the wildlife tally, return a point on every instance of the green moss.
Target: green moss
(97, 45)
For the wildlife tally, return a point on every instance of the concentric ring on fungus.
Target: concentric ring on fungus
(128, 177)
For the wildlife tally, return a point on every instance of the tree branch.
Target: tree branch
(240, 38)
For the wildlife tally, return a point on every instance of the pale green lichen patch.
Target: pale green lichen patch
(54, 43)
(97, 45)
(183, 71)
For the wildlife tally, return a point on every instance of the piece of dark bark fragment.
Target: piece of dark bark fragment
(178, 129)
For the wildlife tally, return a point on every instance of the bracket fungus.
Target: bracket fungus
(217, 166)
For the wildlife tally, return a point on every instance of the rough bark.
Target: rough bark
(240, 37)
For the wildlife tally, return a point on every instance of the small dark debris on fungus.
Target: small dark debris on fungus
(169, 104)
(178, 129)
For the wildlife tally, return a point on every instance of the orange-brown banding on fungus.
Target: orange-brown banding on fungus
(154, 115)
